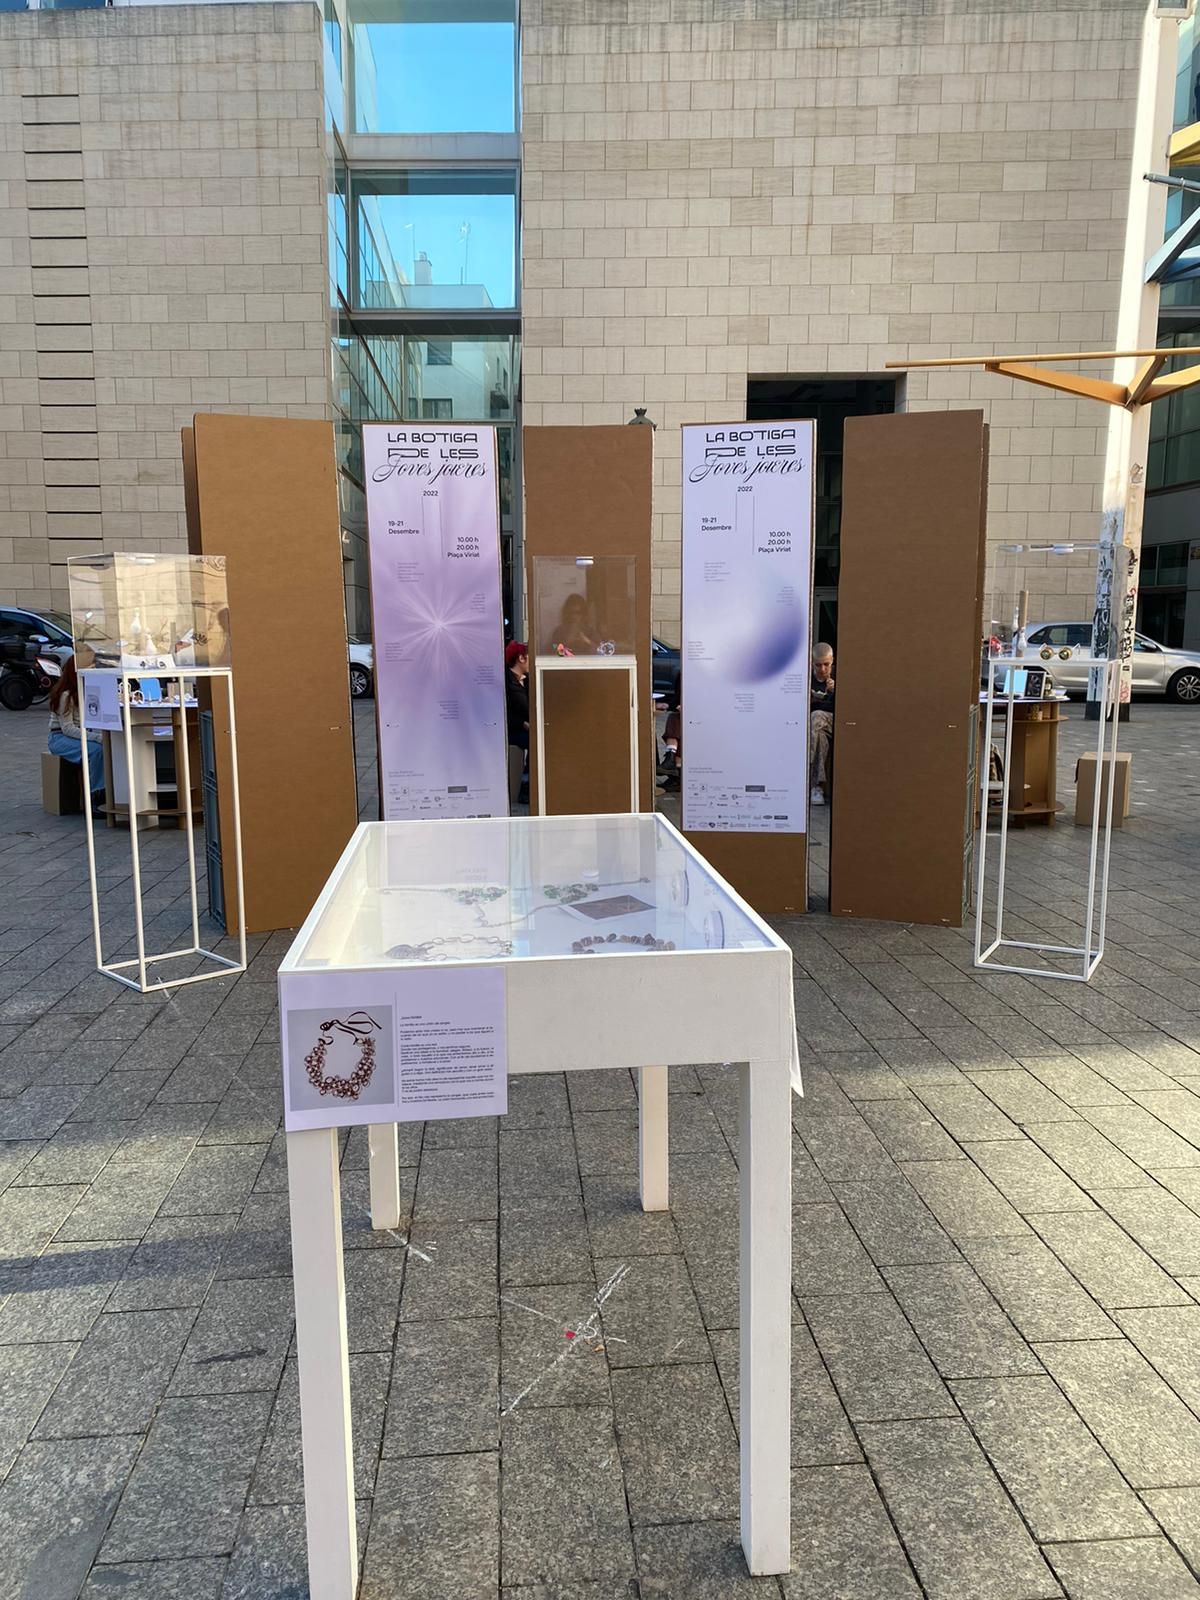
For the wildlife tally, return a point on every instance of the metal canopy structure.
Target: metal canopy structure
(1149, 382)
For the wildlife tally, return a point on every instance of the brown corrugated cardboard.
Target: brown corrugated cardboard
(1085, 790)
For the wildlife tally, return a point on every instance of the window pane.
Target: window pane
(474, 378)
(434, 66)
(1173, 563)
(430, 240)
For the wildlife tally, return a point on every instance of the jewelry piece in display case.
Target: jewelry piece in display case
(1031, 660)
(147, 629)
(584, 612)
(583, 606)
(149, 613)
(439, 951)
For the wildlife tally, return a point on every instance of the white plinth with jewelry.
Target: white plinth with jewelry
(543, 665)
(148, 629)
(440, 955)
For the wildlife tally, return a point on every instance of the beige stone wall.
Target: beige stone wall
(162, 252)
(802, 187)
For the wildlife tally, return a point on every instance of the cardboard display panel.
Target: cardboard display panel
(910, 596)
(262, 491)
(587, 493)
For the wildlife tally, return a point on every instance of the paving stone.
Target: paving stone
(157, 1580)
(1142, 1137)
(76, 1154)
(845, 1149)
(543, 1240)
(1087, 1156)
(1169, 1338)
(31, 1372)
(271, 1558)
(1026, 1176)
(58, 1296)
(40, 1110)
(1072, 1082)
(43, 1556)
(966, 1204)
(713, 1265)
(539, 1100)
(122, 1207)
(549, 1530)
(893, 1223)
(443, 1398)
(965, 1332)
(1123, 1067)
(702, 1560)
(652, 1316)
(606, 1142)
(215, 1180)
(677, 1444)
(1061, 1480)
(919, 1061)
(279, 1476)
(173, 1265)
(186, 1494)
(435, 1530)
(960, 1529)
(616, 1223)
(373, 1279)
(966, 1112)
(457, 1186)
(874, 1358)
(843, 1543)
(863, 1076)
(1123, 1569)
(821, 1431)
(909, 1131)
(553, 1348)
(239, 1341)
(1177, 1512)
(1146, 1429)
(1036, 1291)
(118, 1376)
(827, 1256)
(601, 1091)
(1163, 1225)
(459, 1278)
(1114, 1270)
(29, 1218)
(463, 1133)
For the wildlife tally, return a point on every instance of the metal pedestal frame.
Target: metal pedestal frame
(223, 964)
(1091, 951)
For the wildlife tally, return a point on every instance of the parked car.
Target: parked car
(50, 629)
(664, 664)
(362, 667)
(1157, 669)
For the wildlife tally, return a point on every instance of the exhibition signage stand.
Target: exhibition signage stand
(438, 958)
(433, 521)
(1010, 674)
(161, 620)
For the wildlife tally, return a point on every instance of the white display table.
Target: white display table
(692, 975)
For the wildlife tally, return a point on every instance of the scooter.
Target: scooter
(25, 676)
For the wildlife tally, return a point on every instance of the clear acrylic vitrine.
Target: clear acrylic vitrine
(149, 612)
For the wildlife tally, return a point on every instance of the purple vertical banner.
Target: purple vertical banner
(433, 528)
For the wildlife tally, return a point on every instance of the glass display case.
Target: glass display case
(149, 613)
(521, 887)
(1038, 616)
(583, 606)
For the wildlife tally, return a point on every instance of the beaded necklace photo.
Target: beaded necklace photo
(359, 1027)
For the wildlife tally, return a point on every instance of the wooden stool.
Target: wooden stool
(62, 786)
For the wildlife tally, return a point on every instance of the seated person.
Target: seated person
(672, 758)
(576, 631)
(66, 730)
(820, 737)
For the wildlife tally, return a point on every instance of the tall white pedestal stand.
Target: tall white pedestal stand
(553, 663)
(1076, 962)
(222, 966)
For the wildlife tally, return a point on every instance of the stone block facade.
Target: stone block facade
(718, 190)
(162, 251)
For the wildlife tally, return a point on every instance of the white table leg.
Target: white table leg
(765, 1182)
(384, 1158)
(315, 1201)
(653, 1167)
